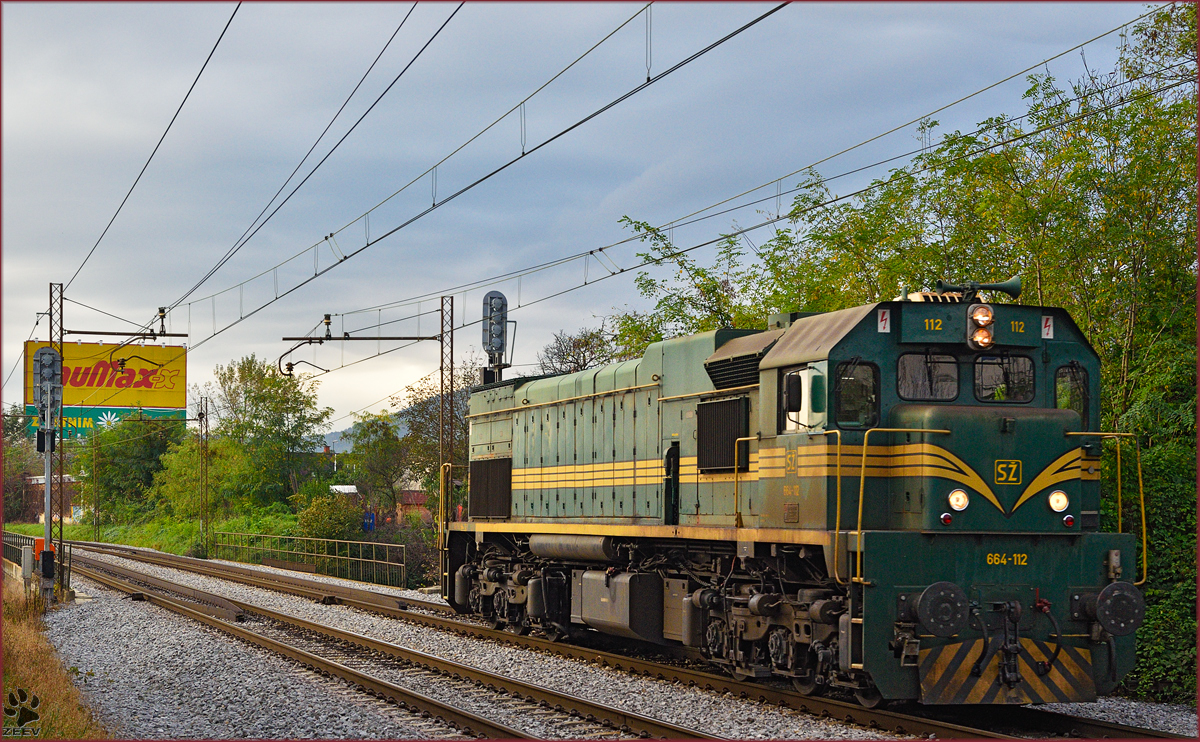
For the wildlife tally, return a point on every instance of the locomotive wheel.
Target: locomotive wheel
(808, 687)
(739, 675)
(520, 627)
(869, 697)
(556, 634)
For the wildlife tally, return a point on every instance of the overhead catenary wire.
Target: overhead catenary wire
(601, 251)
(333, 149)
(772, 220)
(106, 314)
(156, 146)
(683, 220)
(429, 171)
(241, 240)
(318, 272)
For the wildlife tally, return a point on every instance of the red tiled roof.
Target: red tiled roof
(413, 497)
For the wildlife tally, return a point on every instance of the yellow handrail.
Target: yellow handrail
(1137, 447)
(837, 528)
(862, 484)
(737, 506)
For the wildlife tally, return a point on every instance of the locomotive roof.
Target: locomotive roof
(811, 338)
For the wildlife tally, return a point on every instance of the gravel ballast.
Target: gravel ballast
(148, 673)
(715, 713)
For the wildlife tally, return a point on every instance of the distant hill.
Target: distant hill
(337, 445)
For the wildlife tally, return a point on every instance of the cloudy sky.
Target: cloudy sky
(88, 89)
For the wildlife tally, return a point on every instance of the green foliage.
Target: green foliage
(421, 416)
(420, 551)
(274, 419)
(380, 458)
(1091, 198)
(116, 466)
(21, 459)
(330, 516)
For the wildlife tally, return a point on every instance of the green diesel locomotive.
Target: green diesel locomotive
(900, 499)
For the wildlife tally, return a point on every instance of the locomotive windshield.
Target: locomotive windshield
(927, 377)
(1004, 378)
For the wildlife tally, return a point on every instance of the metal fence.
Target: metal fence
(365, 561)
(13, 542)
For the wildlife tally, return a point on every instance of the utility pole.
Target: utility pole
(204, 517)
(56, 343)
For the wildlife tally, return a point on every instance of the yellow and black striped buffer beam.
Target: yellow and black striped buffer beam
(946, 676)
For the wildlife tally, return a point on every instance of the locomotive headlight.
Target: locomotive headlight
(982, 337)
(982, 315)
(959, 500)
(1059, 501)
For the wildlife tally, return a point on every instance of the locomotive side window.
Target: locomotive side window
(857, 394)
(927, 377)
(1071, 390)
(1003, 379)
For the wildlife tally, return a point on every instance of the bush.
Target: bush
(330, 516)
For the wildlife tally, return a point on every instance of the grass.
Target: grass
(165, 535)
(31, 665)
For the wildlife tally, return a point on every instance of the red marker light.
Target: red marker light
(1068, 520)
(947, 517)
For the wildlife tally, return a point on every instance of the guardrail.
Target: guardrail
(365, 561)
(13, 542)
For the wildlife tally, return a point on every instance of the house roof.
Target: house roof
(413, 497)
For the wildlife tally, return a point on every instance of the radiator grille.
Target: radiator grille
(718, 426)
(734, 372)
(491, 489)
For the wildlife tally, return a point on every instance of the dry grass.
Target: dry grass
(31, 664)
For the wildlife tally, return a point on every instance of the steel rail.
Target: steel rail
(456, 718)
(591, 711)
(925, 723)
(626, 721)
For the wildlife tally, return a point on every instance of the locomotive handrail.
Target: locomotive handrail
(737, 507)
(527, 406)
(717, 392)
(862, 485)
(1137, 447)
(837, 528)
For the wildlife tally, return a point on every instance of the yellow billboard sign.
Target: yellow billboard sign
(107, 375)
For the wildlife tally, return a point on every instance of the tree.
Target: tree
(116, 466)
(568, 353)
(275, 417)
(381, 455)
(21, 460)
(421, 415)
(15, 422)
(1090, 196)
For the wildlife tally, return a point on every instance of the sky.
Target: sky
(88, 89)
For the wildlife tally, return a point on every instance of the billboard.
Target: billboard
(98, 389)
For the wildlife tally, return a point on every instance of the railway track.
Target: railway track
(979, 722)
(361, 660)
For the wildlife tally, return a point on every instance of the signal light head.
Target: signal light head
(982, 315)
(946, 519)
(1058, 501)
(959, 500)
